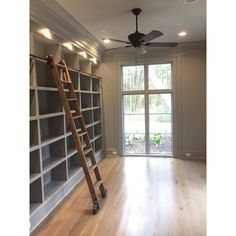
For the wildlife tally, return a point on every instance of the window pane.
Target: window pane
(134, 143)
(160, 127)
(159, 76)
(134, 124)
(133, 78)
(160, 144)
(134, 117)
(160, 103)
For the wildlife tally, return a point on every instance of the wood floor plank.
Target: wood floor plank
(146, 197)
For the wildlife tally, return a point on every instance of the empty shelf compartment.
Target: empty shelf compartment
(85, 82)
(97, 129)
(86, 100)
(32, 103)
(34, 163)
(96, 100)
(74, 75)
(73, 164)
(88, 118)
(33, 133)
(53, 153)
(98, 144)
(97, 115)
(36, 195)
(54, 179)
(44, 74)
(70, 145)
(51, 127)
(96, 85)
(49, 102)
(90, 132)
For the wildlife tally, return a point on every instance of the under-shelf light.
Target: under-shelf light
(94, 60)
(46, 33)
(83, 54)
(68, 45)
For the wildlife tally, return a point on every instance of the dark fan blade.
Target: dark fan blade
(161, 44)
(116, 40)
(152, 35)
(110, 49)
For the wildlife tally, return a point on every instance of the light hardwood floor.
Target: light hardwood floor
(146, 197)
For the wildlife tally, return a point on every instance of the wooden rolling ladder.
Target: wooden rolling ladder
(75, 119)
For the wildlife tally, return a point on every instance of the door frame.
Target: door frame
(120, 94)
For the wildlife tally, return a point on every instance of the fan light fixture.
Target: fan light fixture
(138, 40)
(182, 34)
(106, 41)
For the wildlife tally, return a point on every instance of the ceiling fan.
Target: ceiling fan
(137, 39)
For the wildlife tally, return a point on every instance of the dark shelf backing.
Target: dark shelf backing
(51, 127)
(90, 132)
(36, 195)
(73, 164)
(44, 74)
(34, 162)
(97, 115)
(96, 100)
(54, 178)
(33, 133)
(97, 129)
(74, 75)
(32, 103)
(85, 82)
(96, 86)
(86, 101)
(53, 152)
(70, 145)
(88, 118)
(98, 144)
(49, 102)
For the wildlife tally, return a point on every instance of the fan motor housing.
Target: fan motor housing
(135, 38)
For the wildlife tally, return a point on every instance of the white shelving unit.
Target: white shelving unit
(55, 167)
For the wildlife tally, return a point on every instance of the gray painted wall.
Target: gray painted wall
(189, 93)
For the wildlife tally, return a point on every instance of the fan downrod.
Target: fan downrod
(136, 11)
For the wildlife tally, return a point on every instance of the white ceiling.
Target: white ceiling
(114, 19)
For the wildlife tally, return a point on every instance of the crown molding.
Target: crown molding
(51, 15)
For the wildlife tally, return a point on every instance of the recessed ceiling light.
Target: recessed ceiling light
(106, 40)
(182, 34)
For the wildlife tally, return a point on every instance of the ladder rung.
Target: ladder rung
(66, 82)
(97, 184)
(82, 133)
(76, 117)
(87, 150)
(71, 99)
(92, 167)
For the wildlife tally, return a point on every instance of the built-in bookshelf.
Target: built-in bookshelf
(55, 166)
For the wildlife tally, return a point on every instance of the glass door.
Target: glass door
(147, 109)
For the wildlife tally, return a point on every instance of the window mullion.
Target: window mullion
(146, 99)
